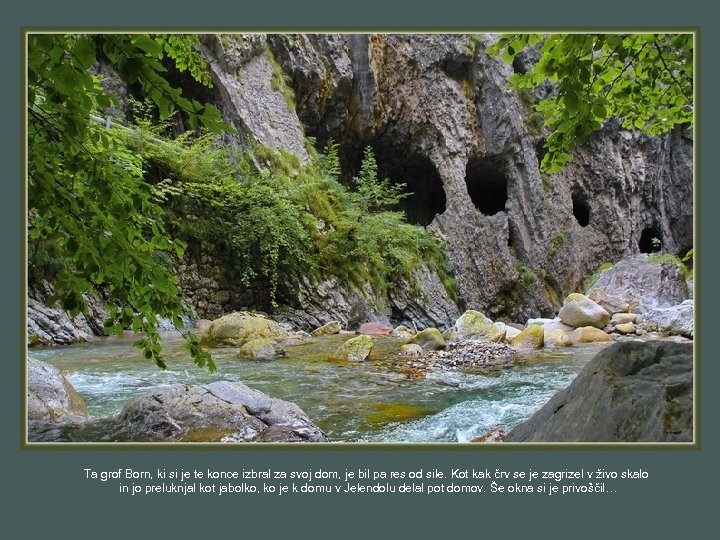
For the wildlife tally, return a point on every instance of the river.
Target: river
(352, 402)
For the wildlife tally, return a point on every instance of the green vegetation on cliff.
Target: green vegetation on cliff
(644, 79)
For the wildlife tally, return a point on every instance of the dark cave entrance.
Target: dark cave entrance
(581, 209)
(417, 172)
(650, 240)
(486, 184)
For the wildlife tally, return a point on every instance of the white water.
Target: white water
(367, 401)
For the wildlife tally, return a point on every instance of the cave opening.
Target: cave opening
(581, 209)
(419, 174)
(486, 184)
(650, 240)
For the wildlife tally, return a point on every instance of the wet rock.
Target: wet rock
(650, 284)
(236, 329)
(375, 329)
(674, 320)
(51, 399)
(430, 339)
(261, 349)
(533, 337)
(473, 325)
(511, 333)
(355, 349)
(328, 329)
(578, 310)
(411, 349)
(217, 412)
(589, 334)
(630, 392)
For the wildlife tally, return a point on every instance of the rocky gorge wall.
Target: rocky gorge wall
(437, 112)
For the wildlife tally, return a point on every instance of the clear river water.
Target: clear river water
(366, 401)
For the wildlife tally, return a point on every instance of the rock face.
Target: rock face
(644, 283)
(51, 399)
(437, 112)
(630, 392)
(215, 412)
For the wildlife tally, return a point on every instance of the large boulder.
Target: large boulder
(430, 339)
(474, 325)
(236, 329)
(632, 391)
(355, 349)
(578, 310)
(533, 337)
(675, 320)
(217, 412)
(646, 281)
(51, 399)
(589, 334)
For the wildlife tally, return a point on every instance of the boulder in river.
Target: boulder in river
(236, 329)
(578, 310)
(430, 339)
(533, 337)
(632, 391)
(355, 349)
(473, 325)
(328, 329)
(217, 412)
(261, 349)
(589, 334)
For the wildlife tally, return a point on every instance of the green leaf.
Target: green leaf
(148, 44)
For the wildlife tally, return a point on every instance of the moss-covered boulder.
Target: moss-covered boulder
(355, 349)
(589, 334)
(578, 311)
(236, 329)
(532, 337)
(476, 326)
(429, 339)
(261, 349)
(511, 333)
(328, 329)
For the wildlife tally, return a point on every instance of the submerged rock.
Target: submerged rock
(630, 392)
(355, 349)
(578, 310)
(217, 412)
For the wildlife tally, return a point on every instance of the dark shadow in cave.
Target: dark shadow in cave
(650, 240)
(486, 184)
(581, 209)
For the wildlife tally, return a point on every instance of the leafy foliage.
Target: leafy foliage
(644, 79)
(86, 192)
